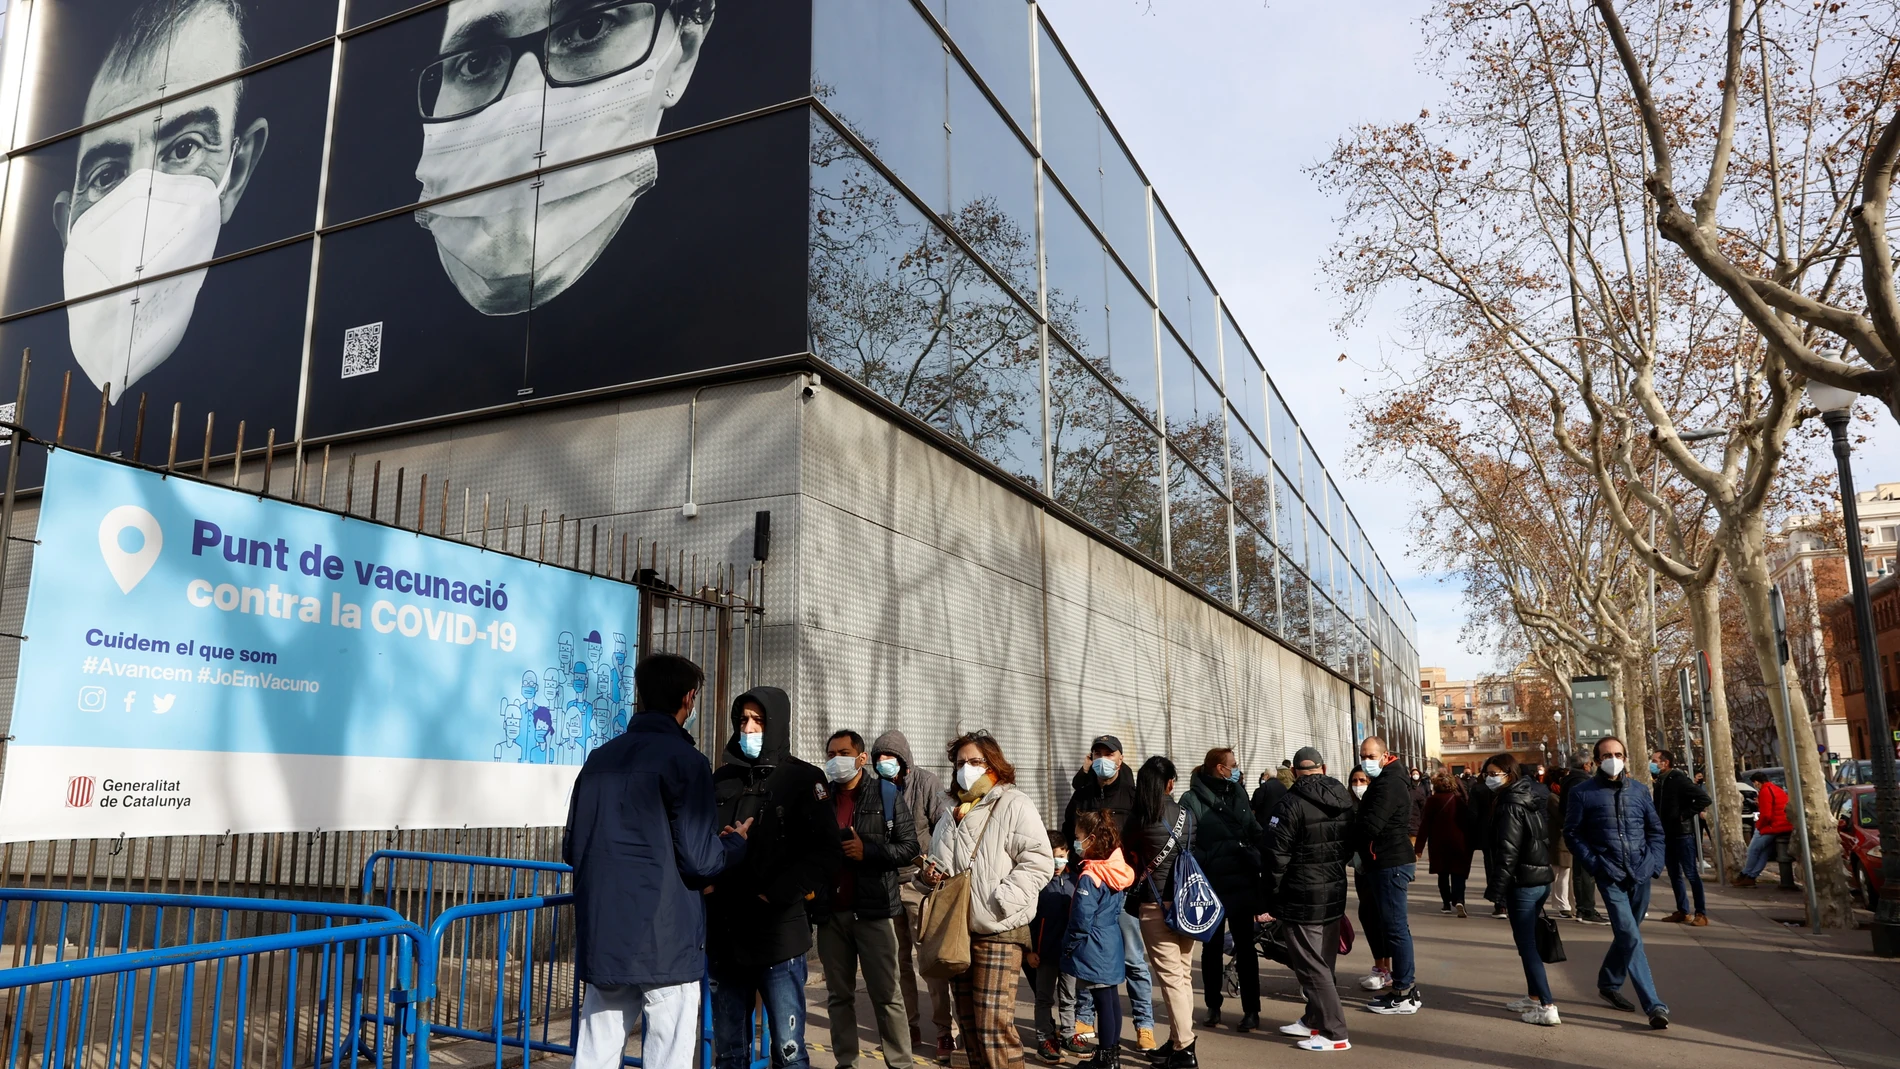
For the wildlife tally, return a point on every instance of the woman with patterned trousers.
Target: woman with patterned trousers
(992, 831)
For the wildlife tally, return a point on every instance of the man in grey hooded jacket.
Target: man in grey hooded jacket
(924, 794)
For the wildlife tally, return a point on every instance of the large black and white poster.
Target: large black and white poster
(506, 214)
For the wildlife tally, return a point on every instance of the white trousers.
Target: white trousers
(610, 1014)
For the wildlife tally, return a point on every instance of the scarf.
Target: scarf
(971, 797)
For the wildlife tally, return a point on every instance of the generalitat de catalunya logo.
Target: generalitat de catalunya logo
(129, 540)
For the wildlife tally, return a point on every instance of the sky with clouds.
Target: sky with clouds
(1224, 104)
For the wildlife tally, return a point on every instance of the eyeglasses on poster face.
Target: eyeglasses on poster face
(599, 43)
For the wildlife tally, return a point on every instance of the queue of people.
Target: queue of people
(738, 874)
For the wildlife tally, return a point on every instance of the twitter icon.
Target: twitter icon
(162, 703)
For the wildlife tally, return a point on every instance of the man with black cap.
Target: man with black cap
(758, 931)
(1107, 783)
(1304, 887)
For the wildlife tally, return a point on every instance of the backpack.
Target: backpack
(1195, 911)
(889, 792)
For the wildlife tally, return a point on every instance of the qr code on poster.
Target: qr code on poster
(362, 350)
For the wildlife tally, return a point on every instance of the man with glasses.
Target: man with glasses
(1614, 831)
(526, 84)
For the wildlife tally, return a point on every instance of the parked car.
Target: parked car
(1748, 810)
(1853, 809)
(1853, 772)
(1776, 774)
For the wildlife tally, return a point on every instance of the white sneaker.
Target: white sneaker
(1298, 1029)
(1319, 1042)
(1542, 1014)
(1519, 1005)
(1377, 980)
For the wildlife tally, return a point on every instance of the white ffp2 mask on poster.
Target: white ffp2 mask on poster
(150, 223)
(502, 259)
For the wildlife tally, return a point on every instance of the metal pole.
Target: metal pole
(1886, 792)
(1703, 680)
(1791, 760)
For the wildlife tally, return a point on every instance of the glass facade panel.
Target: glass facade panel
(1171, 272)
(1243, 378)
(1106, 461)
(1124, 215)
(1197, 524)
(996, 371)
(994, 36)
(1285, 443)
(1250, 479)
(1319, 553)
(1254, 565)
(1196, 418)
(1078, 297)
(1312, 478)
(1131, 343)
(1070, 127)
(992, 185)
(1287, 513)
(882, 69)
(1296, 611)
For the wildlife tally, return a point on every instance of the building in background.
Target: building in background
(884, 270)
(1843, 650)
(1480, 718)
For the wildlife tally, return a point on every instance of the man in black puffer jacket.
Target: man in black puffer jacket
(757, 928)
(1227, 845)
(1382, 830)
(1304, 887)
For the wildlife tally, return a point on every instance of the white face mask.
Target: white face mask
(1611, 766)
(1494, 782)
(503, 255)
(841, 768)
(1358, 790)
(151, 222)
(967, 775)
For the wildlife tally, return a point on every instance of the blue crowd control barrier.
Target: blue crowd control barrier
(391, 878)
(150, 974)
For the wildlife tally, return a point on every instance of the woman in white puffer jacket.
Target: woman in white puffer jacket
(994, 832)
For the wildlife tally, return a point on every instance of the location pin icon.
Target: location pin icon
(115, 531)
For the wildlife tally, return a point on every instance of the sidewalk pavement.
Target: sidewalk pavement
(1747, 991)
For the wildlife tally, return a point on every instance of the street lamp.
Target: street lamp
(1836, 407)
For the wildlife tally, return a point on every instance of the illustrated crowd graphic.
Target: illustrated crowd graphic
(566, 713)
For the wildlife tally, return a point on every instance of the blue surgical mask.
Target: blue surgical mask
(1655, 769)
(692, 721)
(1077, 847)
(751, 742)
(1104, 767)
(1233, 774)
(1372, 767)
(888, 767)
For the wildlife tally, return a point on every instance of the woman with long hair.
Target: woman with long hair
(1521, 878)
(1380, 977)
(993, 832)
(1446, 828)
(1158, 830)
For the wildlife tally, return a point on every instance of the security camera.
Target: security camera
(812, 382)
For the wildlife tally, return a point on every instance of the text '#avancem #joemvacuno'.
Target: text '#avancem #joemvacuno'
(202, 660)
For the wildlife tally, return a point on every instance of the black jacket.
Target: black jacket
(792, 849)
(1305, 878)
(643, 837)
(1421, 792)
(1382, 827)
(1520, 838)
(1117, 796)
(888, 847)
(1266, 799)
(1226, 839)
(1143, 844)
(1678, 800)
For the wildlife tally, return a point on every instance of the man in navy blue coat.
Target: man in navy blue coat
(1615, 833)
(643, 836)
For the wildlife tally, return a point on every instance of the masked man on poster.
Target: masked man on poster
(151, 192)
(521, 84)
(759, 930)
(644, 838)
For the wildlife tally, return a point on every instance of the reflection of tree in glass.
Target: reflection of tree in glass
(1253, 560)
(1104, 458)
(896, 305)
(1197, 517)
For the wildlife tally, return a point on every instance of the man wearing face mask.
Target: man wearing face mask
(1382, 829)
(857, 925)
(1106, 783)
(758, 928)
(1614, 830)
(890, 755)
(526, 84)
(152, 191)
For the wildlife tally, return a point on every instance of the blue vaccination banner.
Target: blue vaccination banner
(202, 660)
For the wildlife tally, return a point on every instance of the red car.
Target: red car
(1860, 837)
